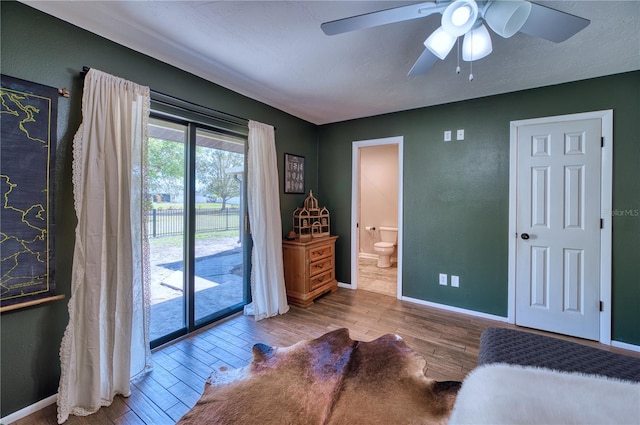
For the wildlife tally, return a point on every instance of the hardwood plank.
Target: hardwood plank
(448, 341)
(129, 418)
(178, 411)
(231, 358)
(98, 418)
(190, 378)
(148, 412)
(117, 409)
(219, 342)
(192, 363)
(229, 338)
(191, 350)
(162, 375)
(187, 395)
(155, 392)
(202, 344)
(41, 417)
(165, 360)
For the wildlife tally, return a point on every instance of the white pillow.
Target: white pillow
(510, 394)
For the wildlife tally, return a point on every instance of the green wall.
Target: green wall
(40, 48)
(456, 194)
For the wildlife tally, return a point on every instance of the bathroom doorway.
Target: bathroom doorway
(376, 202)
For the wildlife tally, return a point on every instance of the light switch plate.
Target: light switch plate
(460, 135)
(455, 281)
(443, 279)
(447, 136)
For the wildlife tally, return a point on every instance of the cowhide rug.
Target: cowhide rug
(329, 380)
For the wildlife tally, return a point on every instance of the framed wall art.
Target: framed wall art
(28, 141)
(293, 173)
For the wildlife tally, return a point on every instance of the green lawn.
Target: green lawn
(179, 206)
(170, 241)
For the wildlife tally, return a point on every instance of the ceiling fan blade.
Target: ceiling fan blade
(424, 63)
(551, 24)
(382, 17)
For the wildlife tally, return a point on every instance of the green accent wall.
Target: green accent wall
(456, 194)
(40, 48)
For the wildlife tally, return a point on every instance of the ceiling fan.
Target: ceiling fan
(467, 18)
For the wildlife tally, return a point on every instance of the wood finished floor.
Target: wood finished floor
(448, 341)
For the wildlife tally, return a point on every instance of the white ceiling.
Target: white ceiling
(275, 51)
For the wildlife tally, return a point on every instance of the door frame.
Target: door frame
(606, 183)
(169, 114)
(355, 205)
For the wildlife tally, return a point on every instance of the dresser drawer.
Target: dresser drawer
(320, 280)
(309, 269)
(320, 252)
(320, 266)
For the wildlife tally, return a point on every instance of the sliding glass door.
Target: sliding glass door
(218, 266)
(196, 233)
(166, 162)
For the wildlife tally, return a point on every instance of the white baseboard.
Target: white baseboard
(455, 309)
(23, 413)
(625, 346)
(618, 344)
(441, 306)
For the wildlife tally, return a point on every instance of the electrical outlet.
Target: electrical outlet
(447, 136)
(443, 279)
(460, 135)
(455, 281)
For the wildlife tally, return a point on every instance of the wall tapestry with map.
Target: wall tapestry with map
(28, 118)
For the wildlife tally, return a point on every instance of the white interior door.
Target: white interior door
(558, 224)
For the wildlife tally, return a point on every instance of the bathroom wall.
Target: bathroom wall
(378, 192)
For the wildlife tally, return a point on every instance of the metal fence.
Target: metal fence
(170, 222)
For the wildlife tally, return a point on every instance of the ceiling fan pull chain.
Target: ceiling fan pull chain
(458, 67)
(471, 62)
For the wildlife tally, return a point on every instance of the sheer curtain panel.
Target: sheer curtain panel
(263, 196)
(106, 342)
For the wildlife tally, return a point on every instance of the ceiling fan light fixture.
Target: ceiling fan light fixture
(440, 43)
(459, 17)
(507, 17)
(476, 44)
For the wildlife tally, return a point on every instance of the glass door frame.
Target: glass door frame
(186, 118)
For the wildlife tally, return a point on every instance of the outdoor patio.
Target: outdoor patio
(218, 283)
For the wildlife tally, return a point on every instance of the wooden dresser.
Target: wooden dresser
(309, 269)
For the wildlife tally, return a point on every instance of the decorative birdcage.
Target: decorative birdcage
(311, 221)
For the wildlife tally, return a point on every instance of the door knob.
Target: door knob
(525, 236)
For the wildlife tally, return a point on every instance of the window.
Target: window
(198, 247)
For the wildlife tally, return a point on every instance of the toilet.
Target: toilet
(386, 247)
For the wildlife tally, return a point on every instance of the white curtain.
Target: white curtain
(263, 193)
(106, 342)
